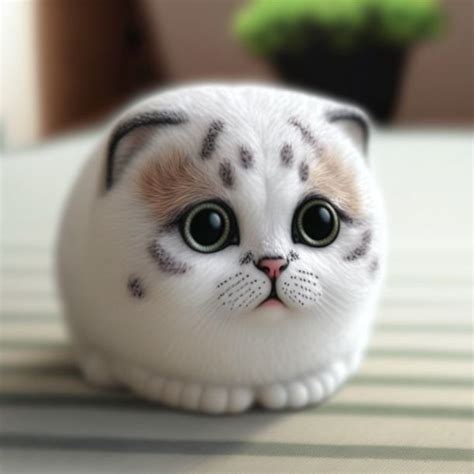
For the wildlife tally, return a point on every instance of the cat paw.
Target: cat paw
(192, 396)
(306, 390)
(96, 370)
(310, 389)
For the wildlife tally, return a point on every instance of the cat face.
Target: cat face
(245, 203)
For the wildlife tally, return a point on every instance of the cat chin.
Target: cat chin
(270, 313)
(308, 389)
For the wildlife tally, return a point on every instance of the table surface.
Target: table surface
(409, 409)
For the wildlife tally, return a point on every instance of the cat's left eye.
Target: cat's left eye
(315, 223)
(209, 227)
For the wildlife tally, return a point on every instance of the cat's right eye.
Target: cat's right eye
(209, 227)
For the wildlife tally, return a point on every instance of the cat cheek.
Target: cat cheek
(165, 260)
(299, 287)
(241, 291)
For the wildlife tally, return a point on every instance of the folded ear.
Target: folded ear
(130, 135)
(354, 123)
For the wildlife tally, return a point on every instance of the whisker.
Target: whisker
(306, 272)
(248, 299)
(230, 288)
(247, 283)
(229, 279)
(252, 300)
(237, 297)
(288, 294)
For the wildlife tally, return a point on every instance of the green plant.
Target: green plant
(268, 26)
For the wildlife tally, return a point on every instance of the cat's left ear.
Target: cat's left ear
(354, 123)
(130, 135)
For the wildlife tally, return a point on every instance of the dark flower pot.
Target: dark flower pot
(369, 75)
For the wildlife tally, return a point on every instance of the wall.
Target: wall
(20, 104)
(193, 40)
(439, 82)
(65, 62)
(91, 59)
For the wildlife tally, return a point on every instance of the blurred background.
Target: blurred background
(68, 64)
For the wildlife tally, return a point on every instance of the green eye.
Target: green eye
(315, 223)
(208, 227)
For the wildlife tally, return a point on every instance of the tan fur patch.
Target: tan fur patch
(171, 183)
(336, 180)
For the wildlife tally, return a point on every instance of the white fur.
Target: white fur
(179, 344)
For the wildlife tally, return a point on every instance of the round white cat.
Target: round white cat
(224, 246)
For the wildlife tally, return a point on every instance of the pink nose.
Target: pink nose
(273, 267)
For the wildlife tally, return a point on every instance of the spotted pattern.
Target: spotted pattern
(293, 256)
(165, 261)
(210, 140)
(226, 173)
(135, 287)
(362, 249)
(247, 258)
(246, 158)
(303, 171)
(286, 155)
(306, 134)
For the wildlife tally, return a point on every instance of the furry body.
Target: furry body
(188, 328)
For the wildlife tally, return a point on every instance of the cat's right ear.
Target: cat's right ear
(353, 123)
(130, 135)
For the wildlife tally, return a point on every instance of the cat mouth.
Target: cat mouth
(272, 300)
(271, 303)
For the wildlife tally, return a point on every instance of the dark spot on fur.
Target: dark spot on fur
(135, 287)
(286, 155)
(362, 249)
(247, 258)
(292, 256)
(308, 137)
(209, 143)
(166, 262)
(246, 158)
(304, 171)
(226, 173)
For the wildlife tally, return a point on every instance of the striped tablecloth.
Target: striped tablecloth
(408, 410)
